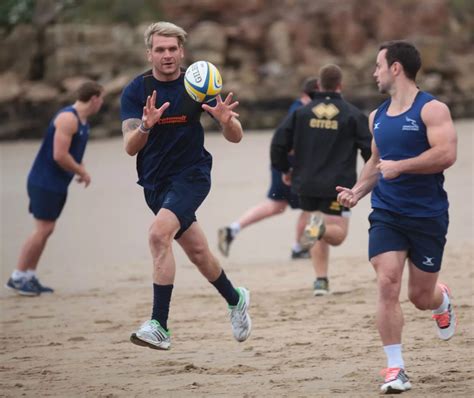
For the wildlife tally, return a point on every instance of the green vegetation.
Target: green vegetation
(13, 12)
(113, 11)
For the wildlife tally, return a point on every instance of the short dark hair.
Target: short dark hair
(310, 85)
(87, 90)
(330, 77)
(405, 53)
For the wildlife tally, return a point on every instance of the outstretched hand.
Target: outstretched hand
(223, 111)
(151, 114)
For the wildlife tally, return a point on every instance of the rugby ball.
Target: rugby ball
(202, 81)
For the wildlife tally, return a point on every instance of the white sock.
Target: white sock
(234, 228)
(297, 247)
(394, 356)
(444, 305)
(30, 273)
(17, 275)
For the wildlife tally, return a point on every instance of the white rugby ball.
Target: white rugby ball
(202, 81)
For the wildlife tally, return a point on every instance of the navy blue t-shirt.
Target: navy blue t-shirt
(402, 137)
(176, 142)
(45, 172)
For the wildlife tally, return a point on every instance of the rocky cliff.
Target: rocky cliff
(264, 49)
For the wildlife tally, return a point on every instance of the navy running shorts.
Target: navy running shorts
(325, 205)
(44, 204)
(423, 238)
(280, 191)
(182, 195)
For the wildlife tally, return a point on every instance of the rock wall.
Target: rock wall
(264, 49)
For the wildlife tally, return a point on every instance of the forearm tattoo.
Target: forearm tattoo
(130, 125)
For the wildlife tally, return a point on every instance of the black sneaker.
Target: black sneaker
(42, 289)
(224, 238)
(23, 286)
(301, 254)
(321, 287)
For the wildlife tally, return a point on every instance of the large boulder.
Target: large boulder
(207, 41)
(19, 47)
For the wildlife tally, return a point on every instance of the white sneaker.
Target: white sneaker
(152, 335)
(446, 322)
(396, 381)
(239, 316)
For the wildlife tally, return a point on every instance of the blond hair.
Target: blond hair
(166, 29)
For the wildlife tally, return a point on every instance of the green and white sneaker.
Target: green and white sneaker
(239, 316)
(321, 287)
(151, 334)
(313, 231)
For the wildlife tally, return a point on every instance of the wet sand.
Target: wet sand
(74, 343)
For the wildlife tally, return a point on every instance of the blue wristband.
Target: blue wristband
(143, 129)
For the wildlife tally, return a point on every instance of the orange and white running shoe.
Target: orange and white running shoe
(446, 322)
(396, 381)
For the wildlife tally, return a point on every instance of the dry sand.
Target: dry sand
(74, 343)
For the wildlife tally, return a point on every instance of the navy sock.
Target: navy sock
(225, 288)
(161, 303)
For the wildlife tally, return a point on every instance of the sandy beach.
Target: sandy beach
(75, 342)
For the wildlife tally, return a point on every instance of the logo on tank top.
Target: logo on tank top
(411, 126)
(376, 126)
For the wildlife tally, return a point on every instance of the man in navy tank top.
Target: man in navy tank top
(161, 125)
(414, 141)
(58, 160)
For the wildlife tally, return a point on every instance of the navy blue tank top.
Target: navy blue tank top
(45, 172)
(176, 142)
(403, 137)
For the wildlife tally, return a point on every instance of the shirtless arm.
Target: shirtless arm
(443, 142)
(66, 126)
(368, 178)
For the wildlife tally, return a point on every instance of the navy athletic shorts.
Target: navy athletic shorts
(182, 195)
(325, 205)
(44, 204)
(424, 238)
(280, 191)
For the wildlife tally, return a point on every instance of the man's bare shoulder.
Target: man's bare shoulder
(66, 122)
(67, 117)
(435, 111)
(371, 120)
